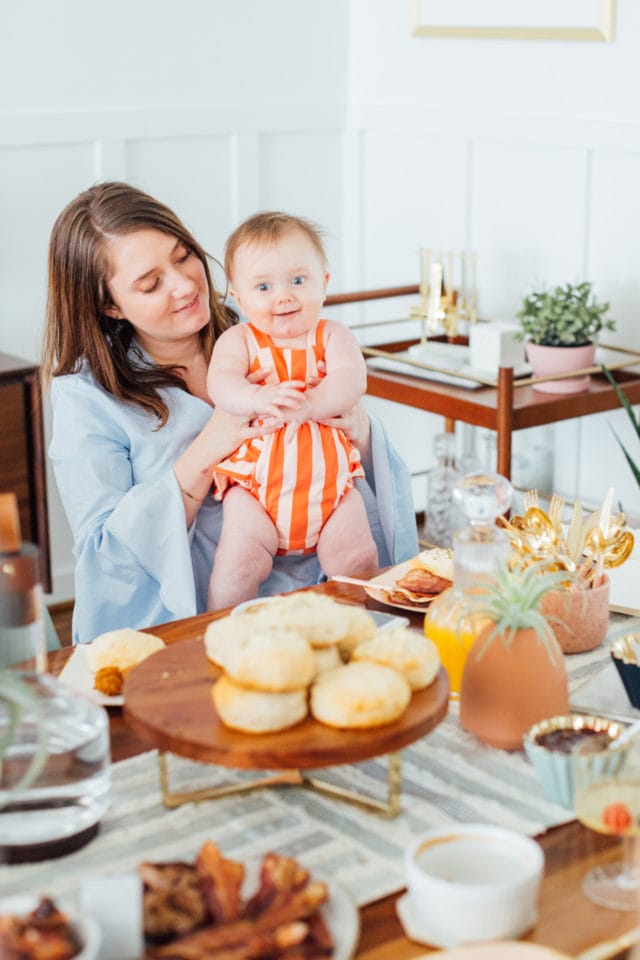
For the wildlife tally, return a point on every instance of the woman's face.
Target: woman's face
(158, 285)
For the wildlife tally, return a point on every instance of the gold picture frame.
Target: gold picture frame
(602, 30)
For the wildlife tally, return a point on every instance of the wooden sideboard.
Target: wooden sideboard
(510, 405)
(22, 453)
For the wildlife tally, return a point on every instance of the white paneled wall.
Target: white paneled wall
(529, 153)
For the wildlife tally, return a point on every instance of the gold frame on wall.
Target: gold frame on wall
(604, 31)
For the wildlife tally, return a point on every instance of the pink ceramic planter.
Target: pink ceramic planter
(582, 617)
(550, 360)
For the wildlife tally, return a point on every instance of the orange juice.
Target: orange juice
(453, 648)
(453, 634)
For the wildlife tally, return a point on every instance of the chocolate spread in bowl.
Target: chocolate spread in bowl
(564, 740)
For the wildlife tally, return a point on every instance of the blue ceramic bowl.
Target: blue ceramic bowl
(548, 746)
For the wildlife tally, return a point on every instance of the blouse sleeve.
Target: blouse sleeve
(387, 494)
(131, 545)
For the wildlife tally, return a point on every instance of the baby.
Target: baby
(291, 490)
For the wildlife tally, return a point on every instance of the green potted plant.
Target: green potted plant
(514, 674)
(561, 327)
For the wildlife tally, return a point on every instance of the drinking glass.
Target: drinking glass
(607, 800)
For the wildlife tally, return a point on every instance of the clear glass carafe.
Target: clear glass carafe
(54, 767)
(451, 622)
(441, 480)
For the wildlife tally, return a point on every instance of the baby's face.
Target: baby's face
(280, 287)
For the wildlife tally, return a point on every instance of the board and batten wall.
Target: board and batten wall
(329, 108)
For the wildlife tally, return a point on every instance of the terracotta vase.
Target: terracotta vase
(579, 619)
(509, 688)
(547, 360)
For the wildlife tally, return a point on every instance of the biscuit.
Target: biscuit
(255, 711)
(124, 648)
(320, 620)
(326, 658)
(273, 659)
(359, 696)
(221, 635)
(438, 561)
(406, 651)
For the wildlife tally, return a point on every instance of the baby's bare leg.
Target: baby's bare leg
(245, 553)
(346, 545)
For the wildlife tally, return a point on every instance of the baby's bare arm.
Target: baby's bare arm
(346, 378)
(230, 389)
(227, 382)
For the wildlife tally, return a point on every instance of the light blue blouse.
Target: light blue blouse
(136, 563)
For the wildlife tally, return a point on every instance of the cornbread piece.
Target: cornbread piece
(359, 695)
(274, 660)
(124, 648)
(256, 711)
(406, 651)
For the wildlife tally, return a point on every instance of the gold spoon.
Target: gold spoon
(613, 551)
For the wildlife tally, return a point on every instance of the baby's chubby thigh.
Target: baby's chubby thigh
(247, 529)
(346, 545)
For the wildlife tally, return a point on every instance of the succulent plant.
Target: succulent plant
(564, 316)
(511, 601)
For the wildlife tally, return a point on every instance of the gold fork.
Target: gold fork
(556, 510)
(530, 499)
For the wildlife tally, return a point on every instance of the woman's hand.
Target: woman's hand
(355, 423)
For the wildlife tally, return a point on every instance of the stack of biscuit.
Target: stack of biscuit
(283, 657)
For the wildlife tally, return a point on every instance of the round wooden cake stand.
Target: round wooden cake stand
(167, 701)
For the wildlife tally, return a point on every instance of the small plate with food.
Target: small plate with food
(98, 669)
(35, 927)
(270, 906)
(412, 585)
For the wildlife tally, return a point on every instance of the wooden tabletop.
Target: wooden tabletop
(567, 920)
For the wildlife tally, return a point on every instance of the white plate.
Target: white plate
(77, 675)
(392, 575)
(86, 927)
(342, 917)
(340, 913)
(109, 897)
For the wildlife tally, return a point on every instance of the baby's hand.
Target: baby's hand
(279, 399)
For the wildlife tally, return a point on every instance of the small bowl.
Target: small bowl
(548, 746)
(625, 653)
(471, 882)
(86, 927)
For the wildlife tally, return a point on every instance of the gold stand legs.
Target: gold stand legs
(290, 778)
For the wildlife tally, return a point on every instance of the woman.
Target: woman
(132, 318)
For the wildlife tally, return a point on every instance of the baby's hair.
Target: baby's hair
(268, 227)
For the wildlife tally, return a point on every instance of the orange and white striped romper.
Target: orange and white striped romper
(301, 472)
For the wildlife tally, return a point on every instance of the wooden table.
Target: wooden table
(567, 920)
(504, 408)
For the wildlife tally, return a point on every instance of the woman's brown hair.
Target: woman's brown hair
(78, 328)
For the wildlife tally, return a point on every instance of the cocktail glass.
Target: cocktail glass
(607, 800)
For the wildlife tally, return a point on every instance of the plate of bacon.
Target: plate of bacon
(217, 907)
(412, 585)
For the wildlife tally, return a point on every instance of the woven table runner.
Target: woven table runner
(447, 777)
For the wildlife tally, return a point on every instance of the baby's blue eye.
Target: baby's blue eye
(297, 281)
(263, 287)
